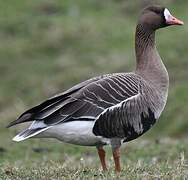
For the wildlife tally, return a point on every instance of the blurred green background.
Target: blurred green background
(47, 46)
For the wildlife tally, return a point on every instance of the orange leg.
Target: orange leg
(101, 153)
(116, 156)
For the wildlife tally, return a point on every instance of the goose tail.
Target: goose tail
(35, 129)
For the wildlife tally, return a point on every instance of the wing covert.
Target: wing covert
(84, 101)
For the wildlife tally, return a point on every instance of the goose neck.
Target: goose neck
(144, 45)
(149, 64)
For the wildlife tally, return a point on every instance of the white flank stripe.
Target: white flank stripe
(84, 117)
(118, 105)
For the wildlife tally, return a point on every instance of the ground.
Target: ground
(141, 159)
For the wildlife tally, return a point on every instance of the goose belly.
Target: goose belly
(75, 132)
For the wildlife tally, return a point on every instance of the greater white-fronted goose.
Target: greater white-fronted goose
(113, 108)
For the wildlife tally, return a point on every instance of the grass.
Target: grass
(48, 46)
(145, 159)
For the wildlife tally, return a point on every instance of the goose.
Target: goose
(110, 109)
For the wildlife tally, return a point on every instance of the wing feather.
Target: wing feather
(29, 115)
(85, 100)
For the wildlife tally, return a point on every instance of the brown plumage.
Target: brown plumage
(112, 108)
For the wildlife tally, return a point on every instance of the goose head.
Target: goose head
(155, 17)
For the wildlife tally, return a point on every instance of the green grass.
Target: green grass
(141, 159)
(49, 45)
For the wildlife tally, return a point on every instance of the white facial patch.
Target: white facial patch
(167, 14)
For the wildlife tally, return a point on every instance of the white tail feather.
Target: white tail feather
(21, 136)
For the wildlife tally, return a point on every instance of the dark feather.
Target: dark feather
(85, 101)
(34, 112)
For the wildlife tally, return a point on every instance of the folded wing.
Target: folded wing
(85, 101)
